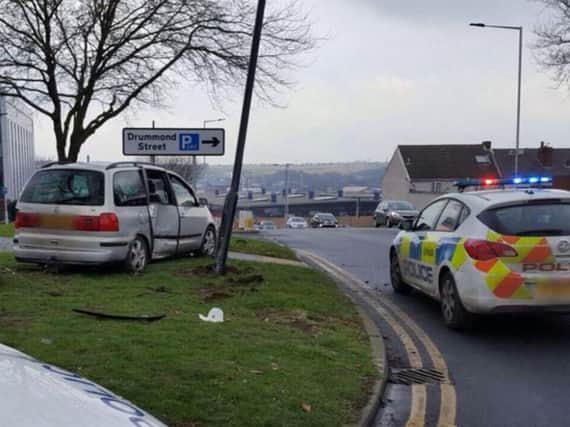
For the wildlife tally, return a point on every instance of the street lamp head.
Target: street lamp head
(477, 24)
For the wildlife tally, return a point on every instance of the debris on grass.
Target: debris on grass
(306, 407)
(101, 315)
(215, 315)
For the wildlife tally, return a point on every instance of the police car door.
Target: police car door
(418, 260)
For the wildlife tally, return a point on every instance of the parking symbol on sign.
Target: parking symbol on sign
(189, 142)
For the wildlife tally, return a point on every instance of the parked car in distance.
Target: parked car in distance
(266, 225)
(394, 212)
(296, 222)
(322, 219)
(35, 393)
(96, 213)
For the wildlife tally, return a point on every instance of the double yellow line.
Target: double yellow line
(395, 317)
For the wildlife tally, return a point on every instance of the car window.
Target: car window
(427, 218)
(449, 219)
(129, 189)
(184, 196)
(542, 218)
(66, 187)
(159, 190)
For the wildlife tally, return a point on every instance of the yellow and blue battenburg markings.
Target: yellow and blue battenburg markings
(433, 250)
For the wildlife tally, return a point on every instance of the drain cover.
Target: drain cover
(417, 376)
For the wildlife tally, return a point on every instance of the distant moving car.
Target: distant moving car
(95, 213)
(35, 394)
(296, 222)
(266, 225)
(488, 252)
(392, 212)
(322, 219)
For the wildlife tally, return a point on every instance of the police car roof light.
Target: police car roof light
(470, 182)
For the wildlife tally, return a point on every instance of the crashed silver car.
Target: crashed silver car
(37, 394)
(96, 213)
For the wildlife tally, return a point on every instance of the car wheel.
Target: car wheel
(137, 255)
(398, 284)
(455, 316)
(209, 241)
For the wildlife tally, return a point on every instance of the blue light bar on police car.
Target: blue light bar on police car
(491, 182)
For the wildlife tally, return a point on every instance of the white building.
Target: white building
(419, 173)
(16, 146)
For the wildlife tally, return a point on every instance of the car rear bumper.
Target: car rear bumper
(106, 252)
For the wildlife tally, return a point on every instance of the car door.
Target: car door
(193, 217)
(164, 214)
(417, 247)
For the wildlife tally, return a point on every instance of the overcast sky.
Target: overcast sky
(391, 72)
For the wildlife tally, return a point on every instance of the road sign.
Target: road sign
(173, 142)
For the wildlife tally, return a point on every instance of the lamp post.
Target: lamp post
(286, 211)
(205, 123)
(520, 30)
(3, 189)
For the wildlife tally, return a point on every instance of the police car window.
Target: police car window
(128, 189)
(545, 218)
(449, 219)
(184, 196)
(427, 218)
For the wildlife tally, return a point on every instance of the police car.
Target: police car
(489, 251)
(37, 394)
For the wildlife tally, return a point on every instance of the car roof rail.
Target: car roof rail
(129, 163)
(64, 162)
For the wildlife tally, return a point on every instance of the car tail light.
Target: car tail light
(108, 222)
(484, 250)
(27, 220)
(103, 222)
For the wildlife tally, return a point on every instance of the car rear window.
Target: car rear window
(66, 187)
(545, 218)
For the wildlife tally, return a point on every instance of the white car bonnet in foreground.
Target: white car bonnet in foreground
(36, 394)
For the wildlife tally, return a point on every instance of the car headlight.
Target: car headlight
(396, 215)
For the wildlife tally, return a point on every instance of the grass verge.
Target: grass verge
(291, 351)
(7, 230)
(261, 247)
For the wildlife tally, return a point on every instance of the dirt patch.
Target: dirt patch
(208, 270)
(15, 322)
(295, 319)
(248, 279)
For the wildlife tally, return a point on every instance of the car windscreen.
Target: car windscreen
(297, 220)
(66, 187)
(539, 218)
(328, 217)
(401, 206)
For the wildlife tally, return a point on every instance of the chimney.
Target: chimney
(545, 155)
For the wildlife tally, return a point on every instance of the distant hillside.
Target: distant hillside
(320, 176)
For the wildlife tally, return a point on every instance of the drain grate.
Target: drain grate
(417, 376)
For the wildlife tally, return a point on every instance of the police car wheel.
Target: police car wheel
(455, 316)
(137, 255)
(398, 284)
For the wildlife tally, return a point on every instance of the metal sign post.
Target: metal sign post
(232, 197)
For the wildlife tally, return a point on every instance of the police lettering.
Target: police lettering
(418, 271)
(548, 267)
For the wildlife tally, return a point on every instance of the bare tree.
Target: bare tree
(553, 45)
(83, 62)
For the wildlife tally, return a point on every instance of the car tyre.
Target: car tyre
(398, 284)
(137, 256)
(455, 316)
(208, 247)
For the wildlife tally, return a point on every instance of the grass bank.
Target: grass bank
(6, 230)
(261, 247)
(291, 351)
